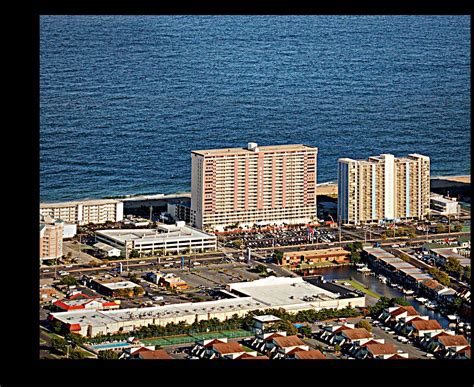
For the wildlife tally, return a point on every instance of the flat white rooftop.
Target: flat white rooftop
(164, 233)
(283, 291)
(98, 318)
(267, 318)
(119, 285)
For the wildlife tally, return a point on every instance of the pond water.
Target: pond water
(346, 272)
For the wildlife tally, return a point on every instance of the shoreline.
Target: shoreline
(324, 188)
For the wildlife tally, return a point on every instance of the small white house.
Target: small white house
(110, 251)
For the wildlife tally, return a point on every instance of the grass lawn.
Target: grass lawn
(247, 349)
(359, 286)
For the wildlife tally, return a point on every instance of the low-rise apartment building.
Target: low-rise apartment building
(84, 212)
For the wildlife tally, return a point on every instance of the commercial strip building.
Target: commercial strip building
(168, 280)
(253, 185)
(112, 286)
(163, 239)
(383, 187)
(292, 259)
(441, 256)
(107, 250)
(85, 212)
(51, 238)
(440, 205)
(292, 294)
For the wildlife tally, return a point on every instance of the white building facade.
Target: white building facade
(383, 188)
(85, 212)
(253, 185)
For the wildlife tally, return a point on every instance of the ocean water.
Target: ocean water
(124, 99)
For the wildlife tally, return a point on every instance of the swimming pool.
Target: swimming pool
(111, 345)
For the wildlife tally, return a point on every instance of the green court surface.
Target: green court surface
(191, 338)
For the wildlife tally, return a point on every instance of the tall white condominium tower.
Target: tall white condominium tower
(253, 185)
(383, 188)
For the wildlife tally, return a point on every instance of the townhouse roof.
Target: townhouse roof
(431, 284)
(250, 357)
(311, 354)
(225, 348)
(342, 328)
(288, 341)
(453, 341)
(357, 333)
(426, 325)
(381, 349)
(245, 355)
(410, 310)
(397, 357)
(155, 354)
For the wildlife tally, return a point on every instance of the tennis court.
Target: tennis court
(191, 338)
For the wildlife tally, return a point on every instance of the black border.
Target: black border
(177, 372)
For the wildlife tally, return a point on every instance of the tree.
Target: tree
(134, 254)
(59, 344)
(137, 291)
(457, 302)
(454, 267)
(77, 355)
(108, 355)
(467, 273)
(305, 331)
(68, 280)
(56, 326)
(238, 243)
(279, 257)
(364, 324)
(337, 348)
(440, 276)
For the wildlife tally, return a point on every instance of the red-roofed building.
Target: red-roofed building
(263, 341)
(350, 337)
(442, 344)
(394, 314)
(285, 344)
(229, 350)
(312, 354)
(157, 354)
(377, 351)
(79, 303)
(422, 328)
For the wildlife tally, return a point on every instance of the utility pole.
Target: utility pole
(151, 211)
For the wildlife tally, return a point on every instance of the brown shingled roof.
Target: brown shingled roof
(381, 349)
(288, 341)
(155, 354)
(411, 311)
(311, 354)
(225, 348)
(357, 333)
(397, 357)
(431, 283)
(426, 325)
(453, 341)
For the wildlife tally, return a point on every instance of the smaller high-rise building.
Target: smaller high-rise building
(383, 187)
(51, 238)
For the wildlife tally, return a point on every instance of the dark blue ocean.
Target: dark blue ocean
(124, 99)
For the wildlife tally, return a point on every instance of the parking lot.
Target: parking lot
(276, 238)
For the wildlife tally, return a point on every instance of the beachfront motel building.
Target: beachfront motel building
(383, 187)
(253, 185)
(84, 212)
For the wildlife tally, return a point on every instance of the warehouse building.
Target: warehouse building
(292, 294)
